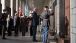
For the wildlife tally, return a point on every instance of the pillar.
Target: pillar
(3, 5)
(17, 5)
(62, 17)
(23, 6)
(11, 6)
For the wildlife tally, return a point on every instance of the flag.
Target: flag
(20, 9)
(26, 9)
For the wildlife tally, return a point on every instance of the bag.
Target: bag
(39, 28)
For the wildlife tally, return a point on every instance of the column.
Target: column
(23, 7)
(3, 5)
(62, 17)
(17, 5)
(11, 6)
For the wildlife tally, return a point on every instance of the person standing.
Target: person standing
(35, 23)
(8, 29)
(15, 18)
(3, 23)
(0, 27)
(23, 24)
(31, 27)
(45, 17)
(16, 23)
(27, 23)
(9, 25)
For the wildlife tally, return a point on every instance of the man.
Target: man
(35, 23)
(16, 23)
(23, 24)
(45, 23)
(3, 22)
(31, 30)
(9, 25)
(0, 27)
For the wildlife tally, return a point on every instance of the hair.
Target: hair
(4, 10)
(34, 8)
(46, 6)
(16, 13)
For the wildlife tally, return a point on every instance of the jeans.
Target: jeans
(45, 34)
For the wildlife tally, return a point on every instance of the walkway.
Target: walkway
(25, 39)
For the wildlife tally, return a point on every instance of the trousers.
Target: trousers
(45, 34)
(34, 32)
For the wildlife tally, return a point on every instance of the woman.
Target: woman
(8, 25)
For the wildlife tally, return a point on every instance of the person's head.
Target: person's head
(46, 8)
(9, 16)
(16, 14)
(4, 11)
(23, 14)
(35, 9)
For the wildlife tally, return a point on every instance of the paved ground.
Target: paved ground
(25, 39)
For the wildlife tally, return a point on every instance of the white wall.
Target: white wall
(73, 20)
(23, 7)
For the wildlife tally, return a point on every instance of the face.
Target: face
(36, 9)
(8, 16)
(45, 8)
(5, 11)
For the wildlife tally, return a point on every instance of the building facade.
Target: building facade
(63, 9)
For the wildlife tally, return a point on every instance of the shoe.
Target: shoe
(9, 35)
(4, 38)
(16, 35)
(35, 40)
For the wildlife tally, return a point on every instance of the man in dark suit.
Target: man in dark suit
(23, 24)
(10, 26)
(16, 23)
(31, 30)
(35, 23)
(0, 27)
(3, 22)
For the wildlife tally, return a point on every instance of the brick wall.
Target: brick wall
(73, 20)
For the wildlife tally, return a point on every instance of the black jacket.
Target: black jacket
(11, 22)
(3, 19)
(18, 21)
(35, 19)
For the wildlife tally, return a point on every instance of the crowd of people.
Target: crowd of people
(9, 24)
(16, 23)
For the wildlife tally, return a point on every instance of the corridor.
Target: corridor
(25, 39)
(61, 16)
